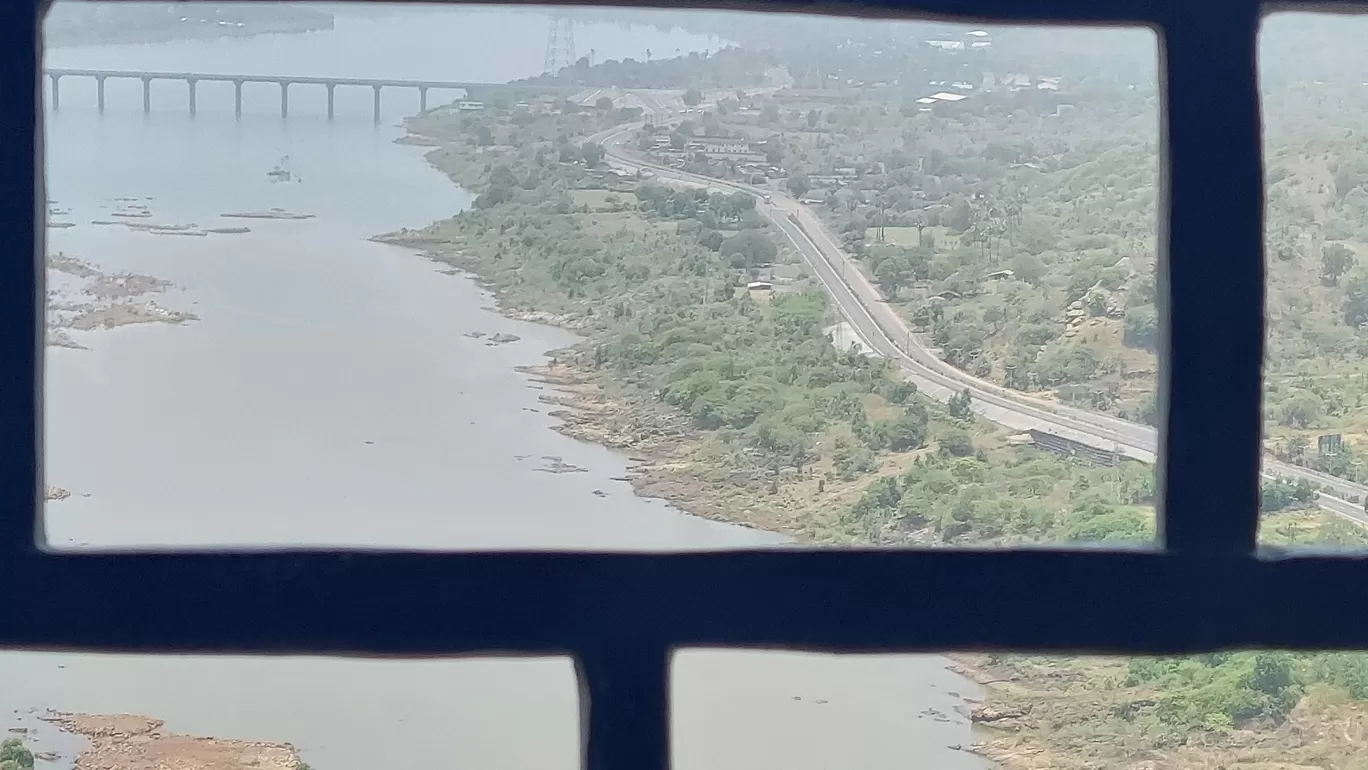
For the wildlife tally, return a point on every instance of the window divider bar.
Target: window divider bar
(21, 293)
(624, 704)
(1212, 273)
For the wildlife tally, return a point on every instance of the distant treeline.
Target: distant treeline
(73, 23)
(728, 68)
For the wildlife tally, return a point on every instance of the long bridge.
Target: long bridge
(191, 79)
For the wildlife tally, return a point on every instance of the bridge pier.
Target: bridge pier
(99, 93)
(237, 99)
(56, 92)
(332, 88)
(284, 99)
(422, 98)
(377, 103)
(192, 83)
(147, 96)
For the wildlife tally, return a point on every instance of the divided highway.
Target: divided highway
(883, 331)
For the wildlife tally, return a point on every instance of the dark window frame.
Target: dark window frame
(1205, 586)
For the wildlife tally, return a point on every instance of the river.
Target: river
(332, 394)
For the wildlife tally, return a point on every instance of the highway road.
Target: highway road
(883, 331)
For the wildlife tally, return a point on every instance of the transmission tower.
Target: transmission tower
(813, 80)
(560, 45)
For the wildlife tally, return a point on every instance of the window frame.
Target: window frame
(1204, 586)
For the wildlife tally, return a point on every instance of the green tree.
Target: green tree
(493, 196)
(592, 153)
(1303, 409)
(908, 431)
(502, 176)
(1142, 327)
(1336, 259)
(892, 274)
(1356, 296)
(749, 248)
(604, 103)
(1028, 268)
(884, 493)
(799, 185)
(1279, 494)
(956, 443)
(692, 97)
(961, 405)
(13, 754)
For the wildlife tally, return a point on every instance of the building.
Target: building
(725, 149)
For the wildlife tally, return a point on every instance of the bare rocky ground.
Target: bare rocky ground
(81, 297)
(132, 742)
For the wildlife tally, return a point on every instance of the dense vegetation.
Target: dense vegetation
(14, 756)
(729, 68)
(656, 276)
(1224, 690)
(957, 495)
(1017, 232)
(1033, 228)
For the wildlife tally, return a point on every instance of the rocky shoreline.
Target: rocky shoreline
(81, 297)
(661, 444)
(133, 742)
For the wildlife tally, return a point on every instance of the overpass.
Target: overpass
(192, 79)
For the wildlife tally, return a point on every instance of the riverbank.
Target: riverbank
(675, 462)
(698, 379)
(1089, 712)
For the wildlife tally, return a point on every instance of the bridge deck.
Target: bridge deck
(290, 79)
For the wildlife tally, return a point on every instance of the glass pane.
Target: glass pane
(124, 712)
(1315, 488)
(836, 281)
(1019, 712)
(733, 709)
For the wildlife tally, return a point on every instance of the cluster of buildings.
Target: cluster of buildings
(1016, 86)
(746, 155)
